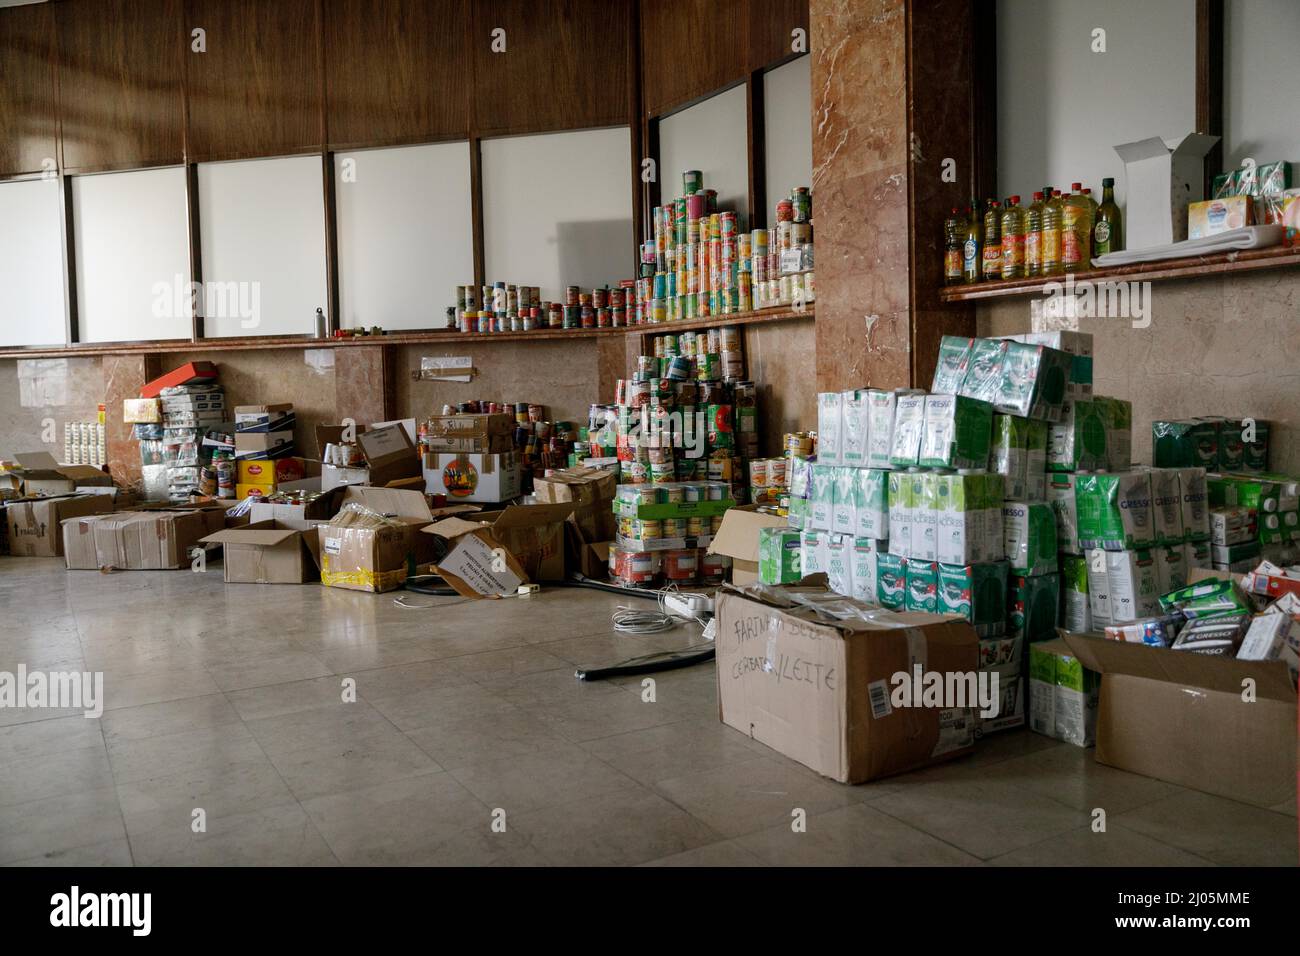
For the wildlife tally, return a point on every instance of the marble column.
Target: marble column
(365, 386)
(124, 374)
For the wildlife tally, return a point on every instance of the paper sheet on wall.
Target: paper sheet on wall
(447, 368)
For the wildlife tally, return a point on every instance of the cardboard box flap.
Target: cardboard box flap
(472, 566)
(386, 445)
(1184, 668)
(738, 536)
(1152, 148)
(530, 516)
(37, 461)
(446, 511)
(453, 527)
(262, 533)
(328, 435)
(1195, 146)
(398, 502)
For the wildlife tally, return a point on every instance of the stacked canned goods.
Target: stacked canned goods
(517, 308)
(663, 533)
(783, 264)
(540, 443)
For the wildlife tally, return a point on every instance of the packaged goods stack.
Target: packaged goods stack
(193, 455)
(664, 530)
(520, 308)
(517, 436)
(1254, 194)
(263, 449)
(83, 442)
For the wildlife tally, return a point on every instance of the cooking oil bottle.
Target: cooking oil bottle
(993, 241)
(1034, 237)
(1076, 230)
(1051, 241)
(1108, 232)
(1013, 240)
(951, 250)
(971, 246)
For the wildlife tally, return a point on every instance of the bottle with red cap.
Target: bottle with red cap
(1013, 239)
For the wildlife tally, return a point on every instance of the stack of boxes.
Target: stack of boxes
(471, 457)
(264, 449)
(188, 413)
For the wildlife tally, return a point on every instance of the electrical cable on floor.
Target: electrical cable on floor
(627, 620)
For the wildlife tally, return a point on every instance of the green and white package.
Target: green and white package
(843, 507)
(982, 377)
(1076, 615)
(813, 552)
(1060, 495)
(922, 586)
(1134, 590)
(829, 427)
(880, 427)
(1079, 347)
(1189, 443)
(1029, 530)
(968, 518)
(1078, 441)
(978, 592)
(1193, 489)
(1033, 381)
(909, 423)
(951, 367)
(1032, 605)
(924, 515)
(1036, 461)
(778, 556)
(956, 432)
(839, 564)
(1010, 451)
(822, 499)
(1167, 505)
(1098, 587)
(891, 581)
(1197, 555)
(1063, 695)
(855, 428)
(1171, 567)
(871, 503)
(900, 513)
(1114, 511)
(866, 551)
(1117, 416)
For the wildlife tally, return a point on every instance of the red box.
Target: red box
(187, 374)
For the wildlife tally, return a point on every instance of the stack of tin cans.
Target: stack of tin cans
(664, 531)
(501, 307)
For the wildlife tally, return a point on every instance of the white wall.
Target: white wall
(133, 261)
(787, 122)
(1062, 108)
(557, 210)
(711, 137)
(405, 234)
(31, 264)
(263, 229)
(1261, 81)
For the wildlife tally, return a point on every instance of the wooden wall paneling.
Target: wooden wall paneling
(1209, 81)
(332, 318)
(476, 213)
(196, 247)
(71, 331)
(756, 147)
(28, 115)
(256, 91)
(565, 65)
(635, 113)
(771, 31)
(691, 48)
(121, 97)
(397, 71)
(652, 192)
(981, 174)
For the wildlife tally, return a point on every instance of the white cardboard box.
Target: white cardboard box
(470, 476)
(1162, 182)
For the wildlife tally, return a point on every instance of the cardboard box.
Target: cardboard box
(579, 485)
(33, 529)
(483, 444)
(592, 521)
(144, 411)
(1161, 184)
(264, 418)
(392, 460)
(738, 539)
(40, 474)
(301, 516)
(1182, 717)
(263, 445)
(267, 552)
(377, 545)
(187, 374)
(470, 425)
(148, 539)
(463, 476)
(818, 689)
(1210, 217)
(533, 534)
(475, 561)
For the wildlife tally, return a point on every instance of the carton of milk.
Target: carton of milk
(870, 503)
(880, 427)
(982, 373)
(1036, 461)
(839, 563)
(1010, 446)
(1197, 555)
(829, 409)
(921, 591)
(1078, 441)
(1098, 588)
(1114, 510)
(1134, 591)
(968, 518)
(900, 514)
(1167, 505)
(1117, 418)
(843, 503)
(1076, 615)
(855, 428)
(923, 505)
(909, 425)
(1171, 567)
(891, 581)
(865, 553)
(978, 593)
(1194, 492)
(1078, 345)
(814, 552)
(1033, 381)
(821, 501)
(951, 366)
(1033, 605)
(956, 432)
(1029, 531)
(1060, 495)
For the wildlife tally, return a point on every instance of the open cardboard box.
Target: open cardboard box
(392, 460)
(268, 552)
(531, 536)
(42, 475)
(34, 524)
(375, 555)
(738, 540)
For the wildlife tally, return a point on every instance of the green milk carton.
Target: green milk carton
(855, 428)
(1167, 505)
(950, 369)
(982, 375)
(909, 425)
(956, 432)
(891, 581)
(1114, 511)
(880, 427)
(1076, 614)
(901, 507)
(978, 592)
(1033, 381)
(829, 411)
(1032, 606)
(1078, 441)
(921, 591)
(1063, 694)
(1010, 451)
(1036, 460)
(821, 502)
(1029, 533)
(871, 503)
(778, 556)
(1256, 447)
(844, 514)
(814, 552)
(1060, 495)
(866, 554)
(1117, 416)
(923, 496)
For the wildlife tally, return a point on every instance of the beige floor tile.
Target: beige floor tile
(169, 800)
(605, 716)
(39, 737)
(416, 709)
(54, 825)
(207, 749)
(332, 724)
(261, 671)
(457, 742)
(152, 687)
(168, 717)
(277, 699)
(728, 853)
(282, 836)
(109, 853)
(673, 750)
(342, 766)
(54, 775)
(532, 781)
(1117, 846)
(852, 836)
(507, 663)
(1223, 831)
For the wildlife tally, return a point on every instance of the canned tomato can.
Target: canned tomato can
(674, 527)
(785, 211)
(681, 566)
(588, 317)
(603, 319)
(692, 181)
(598, 298)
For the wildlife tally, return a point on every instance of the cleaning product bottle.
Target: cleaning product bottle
(951, 250)
(1076, 230)
(993, 241)
(1108, 233)
(1051, 241)
(1034, 236)
(1013, 240)
(971, 249)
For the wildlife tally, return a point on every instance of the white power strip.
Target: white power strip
(687, 605)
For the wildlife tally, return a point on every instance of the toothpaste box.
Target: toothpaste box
(1184, 444)
(900, 514)
(1132, 586)
(855, 428)
(1078, 345)
(909, 425)
(1114, 510)
(1167, 505)
(880, 427)
(950, 369)
(778, 556)
(1029, 533)
(1171, 567)
(814, 552)
(1063, 694)
(1033, 381)
(922, 586)
(844, 517)
(839, 563)
(1078, 441)
(1117, 414)
(1010, 451)
(956, 432)
(871, 503)
(1060, 495)
(978, 593)
(1076, 615)
(1036, 461)
(1194, 492)
(866, 552)
(821, 501)
(829, 408)
(891, 580)
(1032, 606)
(924, 493)
(982, 373)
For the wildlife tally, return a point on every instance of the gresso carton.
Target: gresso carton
(1114, 510)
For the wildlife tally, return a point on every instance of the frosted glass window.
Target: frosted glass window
(31, 264)
(263, 231)
(133, 259)
(711, 137)
(787, 124)
(557, 209)
(1261, 111)
(405, 234)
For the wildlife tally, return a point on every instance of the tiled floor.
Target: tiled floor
(229, 700)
